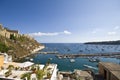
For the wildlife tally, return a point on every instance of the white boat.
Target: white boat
(90, 67)
(31, 59)
(93, 59)
(72, 60)
(50, 58)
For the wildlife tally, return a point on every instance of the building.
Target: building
(7, 58)
(29, 68)
(53, 71)
(109, 71)
(1, 60)
(7, 32)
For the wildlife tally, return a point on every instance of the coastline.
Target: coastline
(37, 49)
(32, 52)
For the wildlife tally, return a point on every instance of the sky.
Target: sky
(63, 21)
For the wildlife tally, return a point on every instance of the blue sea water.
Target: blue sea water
(75, 48)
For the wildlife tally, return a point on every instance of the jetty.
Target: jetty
(113, 55)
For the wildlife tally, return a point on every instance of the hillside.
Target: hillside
(18, 46)
(106, 42)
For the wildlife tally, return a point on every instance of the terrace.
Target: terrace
(28, 70)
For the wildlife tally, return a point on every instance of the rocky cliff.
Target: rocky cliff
(20, 46)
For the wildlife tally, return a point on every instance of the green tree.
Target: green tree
(40, 74)
(3, 47)
(10, 67)
(12, 37)
(26, 75)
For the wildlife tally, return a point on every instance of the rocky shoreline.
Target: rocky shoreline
(33, 52)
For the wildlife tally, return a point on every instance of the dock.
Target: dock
(113, 55)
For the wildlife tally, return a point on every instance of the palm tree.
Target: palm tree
(40, 74)
(8, 73)
(26, 75)
(10, 67)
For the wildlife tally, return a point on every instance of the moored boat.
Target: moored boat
(72, 60)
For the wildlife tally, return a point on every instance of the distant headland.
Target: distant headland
(105, 42)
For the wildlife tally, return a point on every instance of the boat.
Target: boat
(50, 58)
(92, 59)
(31, 59)
(72, 60)
(59, 57)
(87, 66)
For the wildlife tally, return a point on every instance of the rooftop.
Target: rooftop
(14, 31)
(116, 73)
(111, 66)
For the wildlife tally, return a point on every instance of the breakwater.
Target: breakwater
(114, 55)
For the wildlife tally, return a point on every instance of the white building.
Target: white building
(7, 58)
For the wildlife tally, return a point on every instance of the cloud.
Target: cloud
(43, 34)
(111, 33)
(117, 27)
(49, 34)
(67, 32)
(115, 30)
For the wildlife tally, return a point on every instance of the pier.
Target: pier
(114, 55)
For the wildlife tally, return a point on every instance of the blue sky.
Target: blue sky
(63, 21)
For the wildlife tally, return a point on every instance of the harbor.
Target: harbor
(74, 58)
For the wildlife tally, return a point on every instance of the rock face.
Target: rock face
(19, 46)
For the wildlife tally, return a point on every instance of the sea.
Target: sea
(74, 48)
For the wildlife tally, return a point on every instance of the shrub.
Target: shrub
(3, 47)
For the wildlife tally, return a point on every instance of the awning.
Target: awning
(26, 64)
